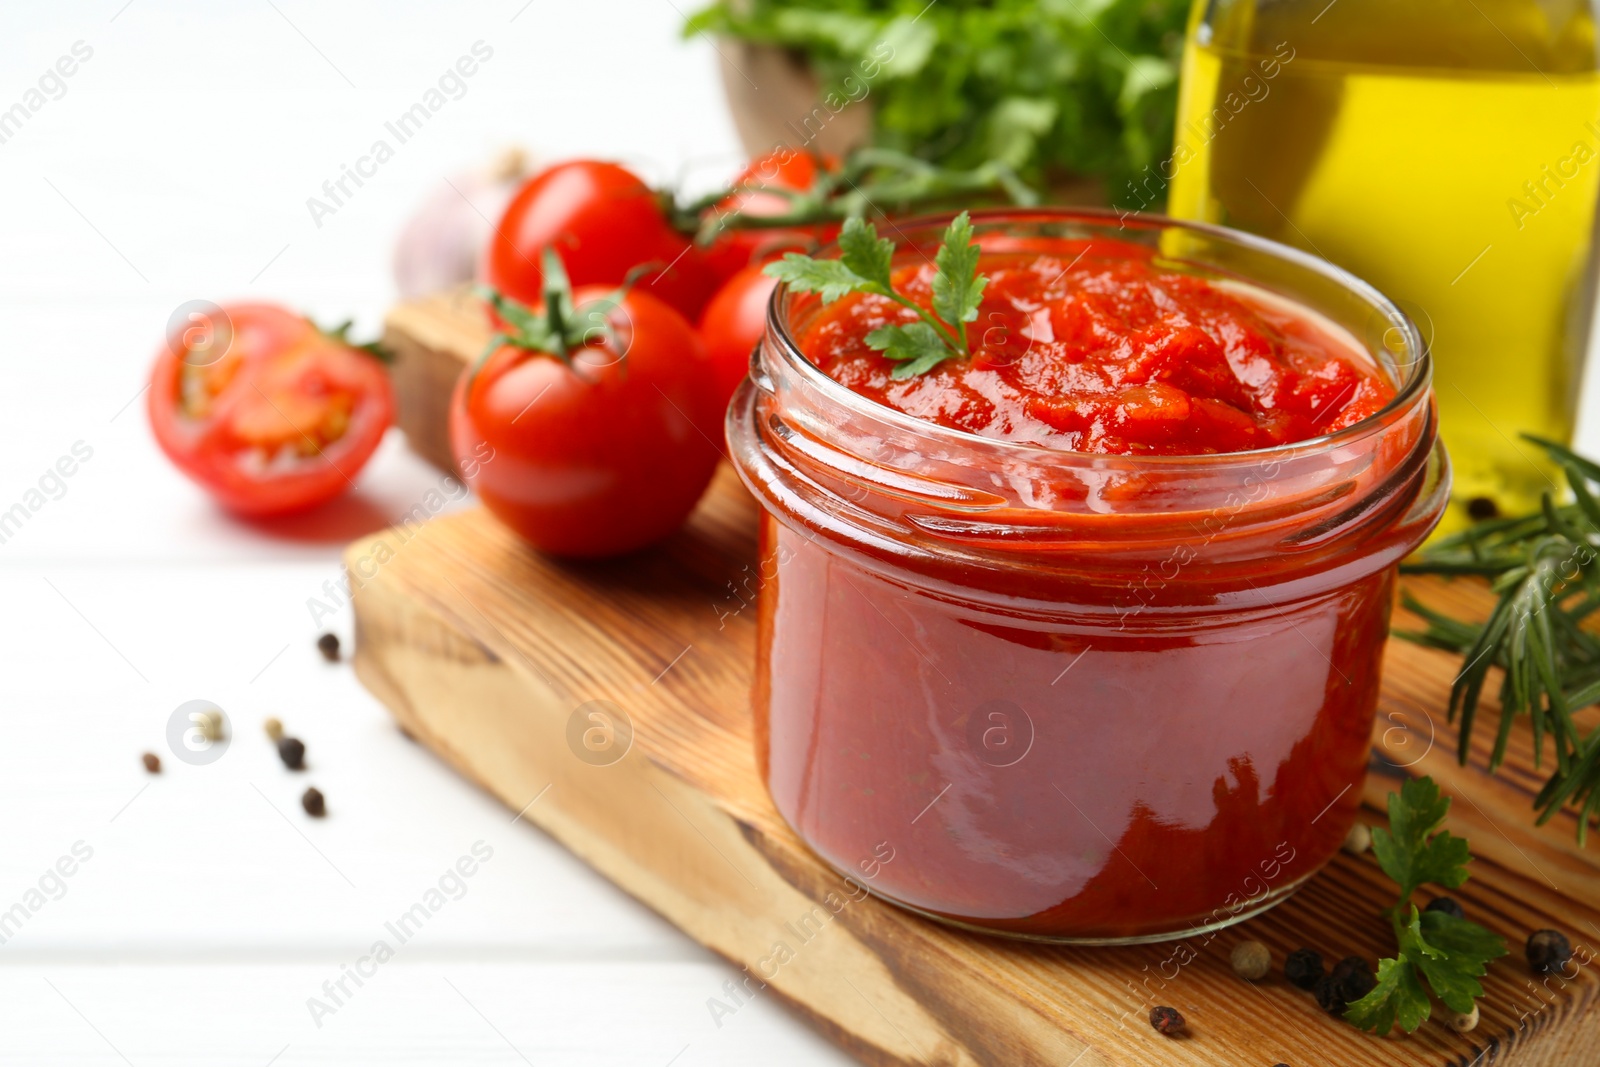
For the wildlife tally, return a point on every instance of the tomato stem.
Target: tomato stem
(870, 180)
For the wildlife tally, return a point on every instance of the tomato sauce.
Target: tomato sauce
(1093, 347)
(1079, 692)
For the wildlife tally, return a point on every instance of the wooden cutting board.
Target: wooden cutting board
(493, 656)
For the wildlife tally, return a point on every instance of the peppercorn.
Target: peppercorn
(274, 729)
(292, 751)
(1448, 905)
(1480, 508)
(1354, 976)
(312, 800)
(1462, 1021)
(1251, 960)
(1303, 967)
(210, 723)
(1330, 995)
(328, 645)
(1548, 951)
(152, 762)
(1358, 839)
(1166, 1020)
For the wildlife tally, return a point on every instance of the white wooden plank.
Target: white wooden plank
(406, 1011)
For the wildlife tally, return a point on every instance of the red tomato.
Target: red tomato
(733, 324)
(266, 412)
(785, 168)
(604, 221)
(602, 457)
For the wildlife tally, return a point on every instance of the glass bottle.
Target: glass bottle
(1448, 152)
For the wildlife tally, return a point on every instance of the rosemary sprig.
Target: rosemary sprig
(1545, 569)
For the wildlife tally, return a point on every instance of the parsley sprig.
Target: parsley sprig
(1545, 569)
(1435, 947)
(864, 266)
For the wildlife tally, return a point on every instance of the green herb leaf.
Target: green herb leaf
(865, 265)
(1461, 954)
(1398, 997)
(861, 249)
(1412, 850)
(1086, 88)
(957, 288)
(829, 277)
(916, 346)
(1451, 954)
(1545, 569)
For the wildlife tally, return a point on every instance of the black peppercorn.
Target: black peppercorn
(1303, 967)
(1330, 995)
(152, 762)
(1166, 1020)
(1448, 905)
(328, 645)
(292, 751)
(1480, 508)
(1354, 976)
(1548, 951)
(312, 800)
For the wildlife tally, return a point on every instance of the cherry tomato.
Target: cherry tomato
(604, 221)
(266, 412)
(785, 168)
(733, 324)
(601, 457)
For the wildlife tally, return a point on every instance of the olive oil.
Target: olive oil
(1449, 153)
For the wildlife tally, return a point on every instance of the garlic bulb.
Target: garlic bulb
(443, 242)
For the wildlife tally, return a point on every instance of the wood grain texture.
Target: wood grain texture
(484, 649)
(433, 340)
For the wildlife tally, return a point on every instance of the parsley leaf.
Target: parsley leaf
(865, 253)
(917, 344)
(830, 277)
(1463, 950)
(1450, 953)
(865, 265)
(1086, 88)
(1398, 996)
(958, 287)
(1413, 851)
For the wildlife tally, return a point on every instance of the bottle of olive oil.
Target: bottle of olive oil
(1447, 151)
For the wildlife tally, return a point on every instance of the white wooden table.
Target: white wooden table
(176, 165)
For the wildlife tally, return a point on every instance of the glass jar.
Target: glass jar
(1448, 154)
(1076, 697)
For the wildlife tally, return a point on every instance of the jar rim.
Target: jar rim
(1410, 391)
